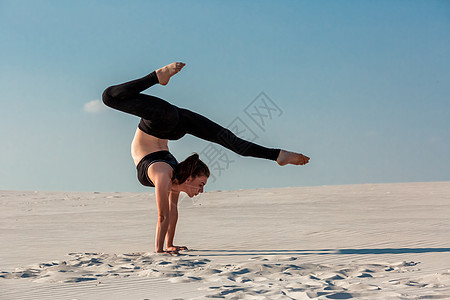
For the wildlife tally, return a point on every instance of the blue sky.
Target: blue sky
(363, 88)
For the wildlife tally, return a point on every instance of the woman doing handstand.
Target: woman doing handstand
(156, 166)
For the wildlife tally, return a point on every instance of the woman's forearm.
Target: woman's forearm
(161, 231)
(162, 189)
(173, 218)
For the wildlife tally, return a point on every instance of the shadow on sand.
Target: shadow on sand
(224, 252)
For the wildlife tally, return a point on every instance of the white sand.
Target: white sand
(389, 241)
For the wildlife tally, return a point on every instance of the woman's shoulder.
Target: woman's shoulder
(160, 173)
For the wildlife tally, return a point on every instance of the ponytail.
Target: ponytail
(191, 166)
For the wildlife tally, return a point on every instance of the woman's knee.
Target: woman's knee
(108, 100)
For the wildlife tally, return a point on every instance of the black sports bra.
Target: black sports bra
(142, 167)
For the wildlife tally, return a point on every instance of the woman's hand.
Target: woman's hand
(170, 252)
(177, 248)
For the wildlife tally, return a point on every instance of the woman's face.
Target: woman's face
(194, 186)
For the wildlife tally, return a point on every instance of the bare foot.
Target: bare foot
(287, 157)
(168, 71)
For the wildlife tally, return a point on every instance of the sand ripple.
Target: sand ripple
(280, 277)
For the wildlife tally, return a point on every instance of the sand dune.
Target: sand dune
(336, 242)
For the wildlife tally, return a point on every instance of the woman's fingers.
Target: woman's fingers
(177, 248)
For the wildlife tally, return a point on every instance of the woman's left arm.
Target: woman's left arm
(173, 218)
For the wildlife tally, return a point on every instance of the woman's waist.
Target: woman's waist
(144, 144)
(158, 156)
(173, 131)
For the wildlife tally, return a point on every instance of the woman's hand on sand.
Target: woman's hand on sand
(177, 248)
(170, 252)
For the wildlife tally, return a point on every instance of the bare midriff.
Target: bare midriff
(144, 144)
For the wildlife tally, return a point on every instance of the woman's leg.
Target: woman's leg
(206, 129)
(163, 117)
(158, 115)
(131, 89)
(127, 96)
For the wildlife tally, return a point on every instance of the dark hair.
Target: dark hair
(191, 166)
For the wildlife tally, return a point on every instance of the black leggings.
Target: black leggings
(166, 121)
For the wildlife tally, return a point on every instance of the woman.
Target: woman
(156, 166)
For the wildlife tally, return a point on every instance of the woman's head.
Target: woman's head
(192, 175)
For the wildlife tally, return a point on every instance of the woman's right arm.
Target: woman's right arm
(160, 174)
(162, 202)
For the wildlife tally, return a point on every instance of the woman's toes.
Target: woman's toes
(168, 71)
